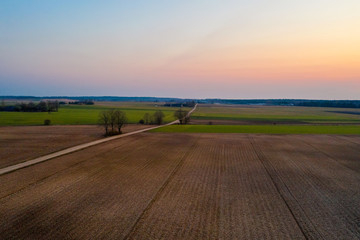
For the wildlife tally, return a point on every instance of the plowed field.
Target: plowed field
(21, 143)
(190, 186)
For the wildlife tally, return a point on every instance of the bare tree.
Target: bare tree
(104, 121)
(120, 119)
(159, 117)
(56, 105)
(42, 107)
(112, 117)
(147, 118)
(52, 106)
(181, 115)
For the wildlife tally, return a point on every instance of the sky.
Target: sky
(307, 49)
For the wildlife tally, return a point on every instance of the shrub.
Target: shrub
(47, 122)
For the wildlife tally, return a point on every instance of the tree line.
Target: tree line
(83, 102)
(180, 104)
(42, 106)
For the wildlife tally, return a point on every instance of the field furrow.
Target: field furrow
(221, 192)
(338, 148)
(322, 193)
(189, 186)
(102, 196)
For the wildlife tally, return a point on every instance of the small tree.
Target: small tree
(104, 121)
(120, 119)
(181, 115)
(158, 117)
(57, 105)
(112, 118)
(42, 107)
(187, 119)
(147, 118)
(52, 106)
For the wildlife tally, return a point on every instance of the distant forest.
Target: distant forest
(188, 101)
(42, 106)
(290, 102)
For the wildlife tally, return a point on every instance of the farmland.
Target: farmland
(269, 120)
(246, 114)
(190, 186)
(234, 179)
(83, 114)
(21, 143)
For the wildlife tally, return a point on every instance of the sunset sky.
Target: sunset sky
(198, 49)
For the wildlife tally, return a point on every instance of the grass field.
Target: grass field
(275, 114)
(190, 186)
(84, 114)
(73, 114)
(266, 129)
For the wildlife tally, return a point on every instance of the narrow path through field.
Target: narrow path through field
(80, 147)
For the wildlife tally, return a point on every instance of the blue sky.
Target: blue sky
(227, 49)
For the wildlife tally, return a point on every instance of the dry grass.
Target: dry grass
(190, 186)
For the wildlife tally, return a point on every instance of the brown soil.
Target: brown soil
(190, 186)
(21, 143)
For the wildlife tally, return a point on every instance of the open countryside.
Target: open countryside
(180, 120)
(215, 181)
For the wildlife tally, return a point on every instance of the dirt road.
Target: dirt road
(22, 143)
(74, 149)
(23, 164)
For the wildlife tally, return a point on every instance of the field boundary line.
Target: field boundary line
(159, 192)
(277, 188)
(80, 147)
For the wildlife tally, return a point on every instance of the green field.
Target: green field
(83, 114)
(266, 129)
(275, 114)
(260, 115)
